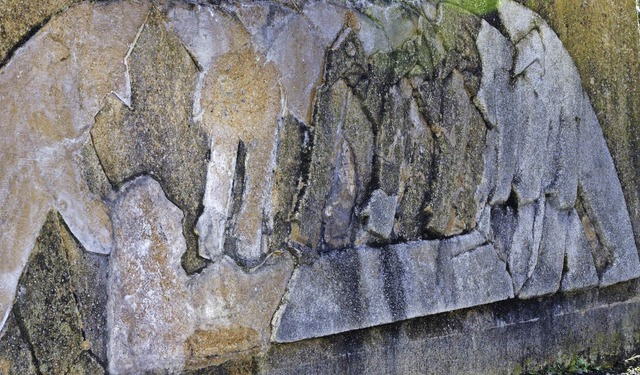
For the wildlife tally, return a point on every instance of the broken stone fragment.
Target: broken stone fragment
(380, 212)
(547, 273)
(581, 272)
(149, 310)
(548, 141)
(339, 207)
(241, 103)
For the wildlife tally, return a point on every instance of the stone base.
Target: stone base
(508, 337)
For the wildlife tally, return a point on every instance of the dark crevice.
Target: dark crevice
(376, 163)
(493, 19)
(91, 354)
(512, 202)
(71, 286)
(25, 38)
(307, 139)
(25, 336)
(237, 194)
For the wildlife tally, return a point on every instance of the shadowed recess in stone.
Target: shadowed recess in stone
(154, 137)
(399, 125)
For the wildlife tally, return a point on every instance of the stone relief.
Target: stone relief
(259, 173)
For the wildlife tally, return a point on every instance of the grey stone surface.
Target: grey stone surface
(338, 293)
(546, 275)
(581, 271)
(507, 337)
(381, 211)
(537, 128)
(600, 189)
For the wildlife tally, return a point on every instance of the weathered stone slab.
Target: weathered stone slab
(558, 145)
(148, 312)
(581, 271)
(380, 211)
(339, 293)
(547, 272)
(602, 194)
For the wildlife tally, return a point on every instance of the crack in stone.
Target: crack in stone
(25, 336)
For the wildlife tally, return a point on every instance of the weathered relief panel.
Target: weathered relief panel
(231, 176)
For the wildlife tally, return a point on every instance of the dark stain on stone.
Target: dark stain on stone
(392, 274)
(23, 332)
(347, 277)
(24, 39)
(293, 161)
(504, 220)
(16, 352)
(433, 175)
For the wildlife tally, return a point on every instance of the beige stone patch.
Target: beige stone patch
(50, 91)
(204, 348)
(19, 17)
(241, 104)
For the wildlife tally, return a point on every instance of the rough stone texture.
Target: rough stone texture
(364, 287)
(70, 68)
(241, 111)
(58, 323)
(410, 160)
(20, 19)
(149, 314)
(607, 62)
(148, 136)
(159, 318)
(511, 337)
(15, 352)
(544, 151)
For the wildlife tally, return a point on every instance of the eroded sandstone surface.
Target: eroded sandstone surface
(230, 176)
